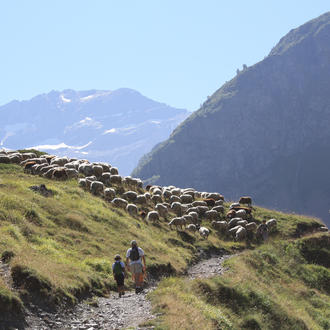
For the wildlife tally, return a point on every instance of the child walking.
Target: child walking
(118, 269)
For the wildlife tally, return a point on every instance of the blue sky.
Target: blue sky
(177, 52)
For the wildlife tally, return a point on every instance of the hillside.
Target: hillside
(115, 126)
(57, 249)
(264, 133)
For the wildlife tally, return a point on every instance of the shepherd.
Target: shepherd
(134, 258)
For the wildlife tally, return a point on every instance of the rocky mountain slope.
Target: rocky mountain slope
(58, 237)
(115, 126)
(264, 133)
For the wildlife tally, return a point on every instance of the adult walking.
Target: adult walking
(134, 258)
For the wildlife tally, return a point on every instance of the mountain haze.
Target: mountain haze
(264, 133)
(114, 126)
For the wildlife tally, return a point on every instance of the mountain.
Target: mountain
(264, 133)
(114, 126)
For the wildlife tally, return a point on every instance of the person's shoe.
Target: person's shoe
(123, 293)
(136, 290)
(119, 294)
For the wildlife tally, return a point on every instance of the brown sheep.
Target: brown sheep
(28, 165)
(231, 214)
(209, 201)
(246, 200)
(60, 174)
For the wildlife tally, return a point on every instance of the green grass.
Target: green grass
(274, 286)
(61, 249)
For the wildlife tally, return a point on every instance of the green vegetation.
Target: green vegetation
(60, 249)
(278, 285)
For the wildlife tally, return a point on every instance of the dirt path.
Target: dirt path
(114, 312)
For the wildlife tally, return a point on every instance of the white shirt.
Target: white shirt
(141, 253)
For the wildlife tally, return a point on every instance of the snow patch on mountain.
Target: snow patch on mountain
(60, 146)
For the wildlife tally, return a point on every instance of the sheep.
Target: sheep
(156, 199)
(119, 202)
(197, 194)
(186, 198)
(82, 183)
(220, 225)
(89, 180)
(97, 170)
(201, 210)
(240, 234)
(115, 179)
(49, 173)
(192, 228)
(147, 195)
(167, 194)
(109, 193)
(241, 214)
(71, 173)
(231, 214)
(271, 223)
(152, 216)
(59, 173)
(141, 199)
(176, 208)
(323, 229)
(106, 167)
(233, 222)
(212, 215)
(219, 202)
(27, 155)
(15, 158)
(60, 161)
(232, 205)
(209, 202)
(45, 169)
(194, 216)
(114, 171)
(219, 209)
(179, 221)
(176, 191)
(242, 223)
(85, 169)
(105, 178)
(204, 232)
(130, 196)
(252, 226)
(28, 166)
(157, 191)
(246, 200)
(4, 159)
(162, 210)
(72, 165)
(188, 218)
(175, 198)
(132, 209)
(233, 230)
(97, 187)
(215, 196)
(192, 209)
(199, 203)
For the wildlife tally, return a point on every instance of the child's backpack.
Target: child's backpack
(117, 268)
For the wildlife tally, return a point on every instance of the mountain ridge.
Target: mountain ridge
(116, 126)
(267, 113)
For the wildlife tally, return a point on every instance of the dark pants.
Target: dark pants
(119, 279)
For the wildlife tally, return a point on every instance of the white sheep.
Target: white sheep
(212, 215)
(240, 234)
(152, 216)
(204, 232)
(162, 210)
(219, 225)
(192, 228)
(97, 187)
(109, 193)
(132, 209)
(179, 221)
(271, 223)
(119, 202)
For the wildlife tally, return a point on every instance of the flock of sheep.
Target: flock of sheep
(186, 209)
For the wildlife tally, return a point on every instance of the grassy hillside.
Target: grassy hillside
(283, 284)
(61, 248)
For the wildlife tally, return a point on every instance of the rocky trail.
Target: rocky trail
(113, 312)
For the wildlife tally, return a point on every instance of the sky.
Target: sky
(176, 52)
